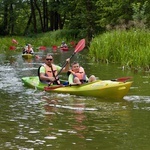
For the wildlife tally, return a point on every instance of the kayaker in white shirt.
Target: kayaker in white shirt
(77, 75)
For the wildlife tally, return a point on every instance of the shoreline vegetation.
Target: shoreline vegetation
(130, 49)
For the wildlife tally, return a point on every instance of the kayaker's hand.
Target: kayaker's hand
(52, 79)
(68, 60)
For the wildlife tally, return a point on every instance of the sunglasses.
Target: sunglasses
(49, 59)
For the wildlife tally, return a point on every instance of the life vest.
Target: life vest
(50, 72)
(81, 74)
(28, 50)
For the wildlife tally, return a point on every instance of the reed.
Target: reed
(129, 48)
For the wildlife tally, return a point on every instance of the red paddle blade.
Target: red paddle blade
(14, 41)
(122, 79)
(72, 43)
(54, 47)
(43, 48)
(12, 47)
(80, 46)
(48, 88)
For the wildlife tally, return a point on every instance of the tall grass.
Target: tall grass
(129, 48)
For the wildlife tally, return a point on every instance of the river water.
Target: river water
(37, 120)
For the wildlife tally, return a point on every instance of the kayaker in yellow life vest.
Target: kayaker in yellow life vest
(78, 76)
(48, 71)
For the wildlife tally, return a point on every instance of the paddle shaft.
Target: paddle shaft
(80, 46)
(122, 79)
(65, 64)
(53, 75)
(47, 88)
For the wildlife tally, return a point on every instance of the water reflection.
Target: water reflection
(79, 117)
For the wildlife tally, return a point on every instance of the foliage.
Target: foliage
(89, 18)
(139, 14)
(129, 48)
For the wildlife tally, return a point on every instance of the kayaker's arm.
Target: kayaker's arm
(45, 78)
(70, 80)
(67, 67)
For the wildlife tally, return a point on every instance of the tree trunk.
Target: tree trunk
(40, 14)
(34, 16)
(45, 15)
(90, 20)
(11, 20)
(5, 22)
(28, 24)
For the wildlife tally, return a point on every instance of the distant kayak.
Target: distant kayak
(101, 88)
(64, 48)
(27, 56)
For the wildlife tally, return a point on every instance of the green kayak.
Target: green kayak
(100, 88)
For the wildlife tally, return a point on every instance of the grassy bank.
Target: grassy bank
(131, 49)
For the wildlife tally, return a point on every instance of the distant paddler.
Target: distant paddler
(28, 49)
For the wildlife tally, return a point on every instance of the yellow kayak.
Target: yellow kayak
(27, 56)
(100, 88)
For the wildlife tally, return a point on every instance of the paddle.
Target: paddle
(17, 43)
(12, 48)
(72, 43)
(14, 41)
(43, 48)
(48, 88)
(54, 47)
(122, 79)
(79, 47)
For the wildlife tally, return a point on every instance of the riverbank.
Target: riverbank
(130, 49)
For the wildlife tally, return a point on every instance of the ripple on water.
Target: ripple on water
(136, 98)
(50, 137)
(9, 80)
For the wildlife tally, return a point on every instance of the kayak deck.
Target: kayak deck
(27, 56)
(99, 88)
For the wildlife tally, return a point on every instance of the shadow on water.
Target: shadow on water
(32, 119)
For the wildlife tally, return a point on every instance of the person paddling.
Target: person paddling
(77, 75)
(28, 49)
(48, 71)
(63, 44)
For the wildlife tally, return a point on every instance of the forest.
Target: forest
(84, 18)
